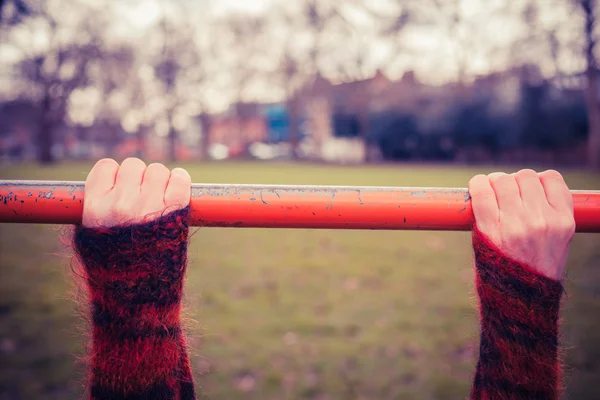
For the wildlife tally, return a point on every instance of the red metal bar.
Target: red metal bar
(329, 207)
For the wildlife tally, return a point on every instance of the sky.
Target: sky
(429, 50)
(432, 49)
(250, 6)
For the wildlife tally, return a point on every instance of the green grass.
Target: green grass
(294, 314)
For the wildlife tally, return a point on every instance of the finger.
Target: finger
(154, 183)
(101, 178)
(531, 190)
(557, 192)
(178, 192)
(129, 178)
(483, 201)
(507, 192)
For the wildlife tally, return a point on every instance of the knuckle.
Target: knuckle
(505, 178)
(552, 174)
(479, 178)
(500, 177)
(180, 172)
(103, 167)
(526, 173)
(107, 162)
(495, 175)
(157, 169)
(157, 166)
(180, 177)
(477, 182)
(134, 161)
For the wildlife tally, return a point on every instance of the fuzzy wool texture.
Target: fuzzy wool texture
(134, 274)
(519, 315)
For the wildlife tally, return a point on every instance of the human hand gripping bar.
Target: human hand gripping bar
(275, 206)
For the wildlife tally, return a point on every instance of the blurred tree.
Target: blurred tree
(316, 18)
(116, 79)
(19, 10)
(538, 41)
(354, 59)
(167, 70)
(306, 47)
(290, 71)
(551, 40)
(241, 46)
(180, 67)
(446, 16)
(592, 96)
(50, 69)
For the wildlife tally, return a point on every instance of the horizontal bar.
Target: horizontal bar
(270, 206)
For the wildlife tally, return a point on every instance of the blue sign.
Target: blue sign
(278, 123)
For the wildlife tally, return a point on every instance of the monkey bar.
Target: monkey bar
(271, 206)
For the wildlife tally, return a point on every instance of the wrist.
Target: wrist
(126, 247)
(503, 279)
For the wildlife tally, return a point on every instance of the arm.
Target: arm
(134, 267)
(524, 224)
(519, 328)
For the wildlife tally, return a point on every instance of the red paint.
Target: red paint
(325, 207)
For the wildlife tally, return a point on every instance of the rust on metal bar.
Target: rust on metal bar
(271, 206)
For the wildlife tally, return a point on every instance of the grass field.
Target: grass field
(295, 314)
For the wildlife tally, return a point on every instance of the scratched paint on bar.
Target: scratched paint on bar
(272, 206)
(324, 207)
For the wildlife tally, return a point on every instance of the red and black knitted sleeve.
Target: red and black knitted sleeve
(519, 313)
(135, 278)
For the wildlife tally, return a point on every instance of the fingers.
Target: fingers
(557, 192)
(132, 192)
(535, 221)
(483, 201)
(101, 178)
(507, 192)
(532, 192)
(154, 184)
(178, 192)
(129, 178)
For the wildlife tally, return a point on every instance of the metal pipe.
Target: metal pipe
(270, 206)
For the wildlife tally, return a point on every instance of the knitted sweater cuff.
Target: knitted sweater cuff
(505, 283)
(135, 271)
(125, 246)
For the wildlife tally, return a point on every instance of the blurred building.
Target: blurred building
(237, 128)
(508, 116)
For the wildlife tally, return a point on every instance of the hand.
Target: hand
(529, 216)
(132, 192)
